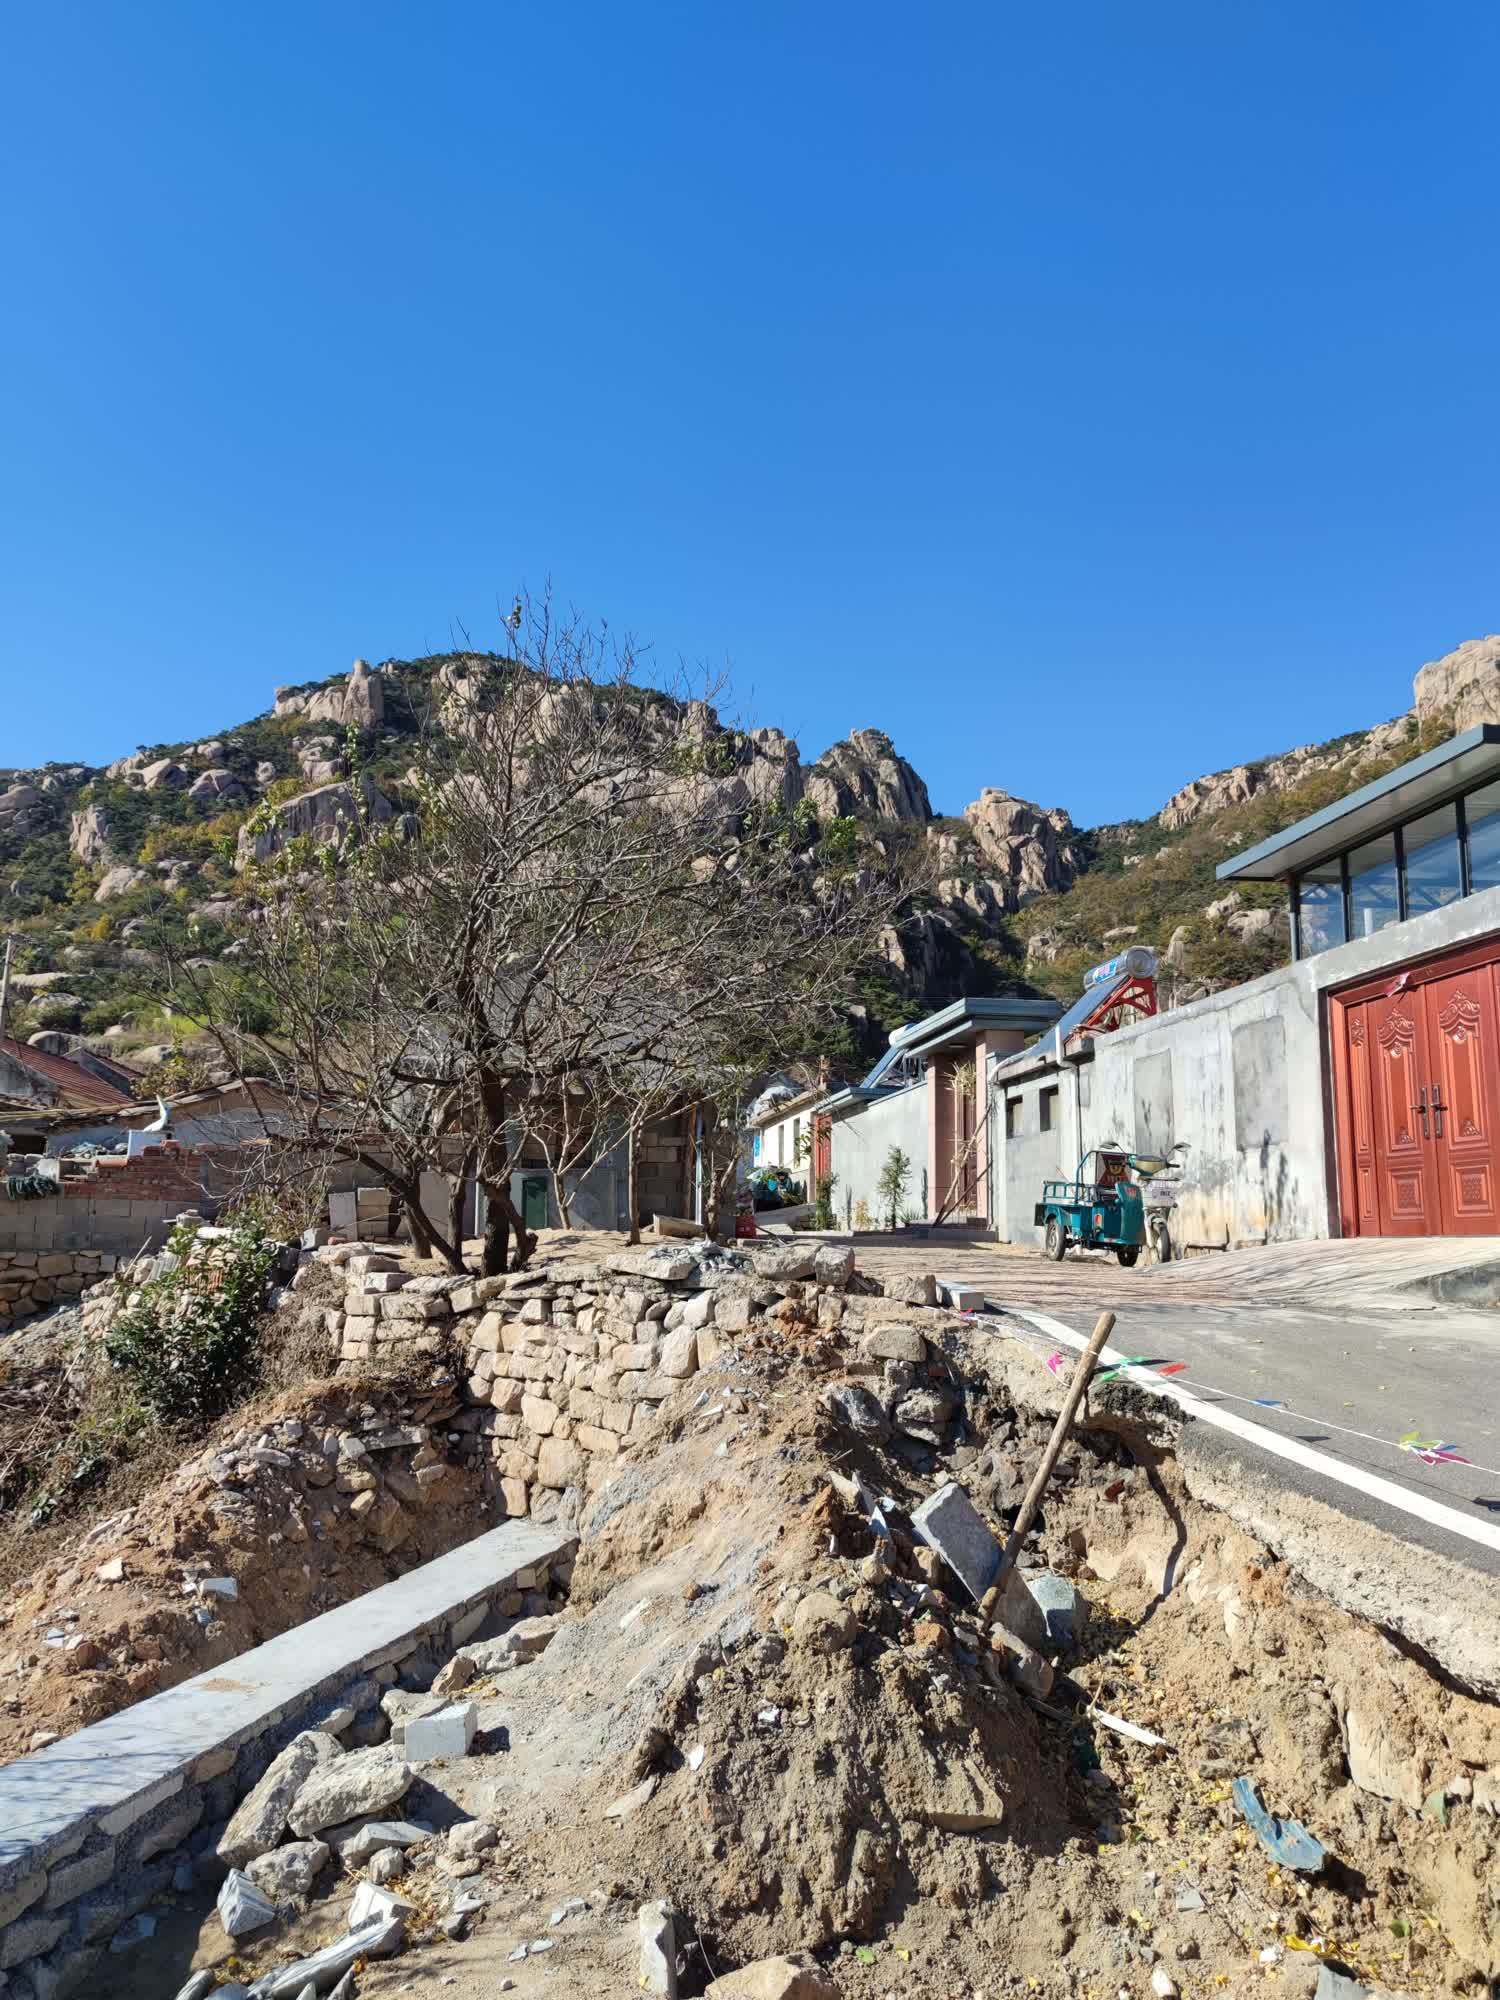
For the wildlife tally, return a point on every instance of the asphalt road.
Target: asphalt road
(1349, 1386)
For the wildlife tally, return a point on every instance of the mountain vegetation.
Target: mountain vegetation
(109, 876)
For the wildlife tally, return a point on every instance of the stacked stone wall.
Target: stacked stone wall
(31, 1280)
(566, 1364)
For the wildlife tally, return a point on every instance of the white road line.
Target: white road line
(1434, 1512)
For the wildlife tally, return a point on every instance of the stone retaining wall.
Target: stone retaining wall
(565, 1363)
(103, 1823)
(32, 1280)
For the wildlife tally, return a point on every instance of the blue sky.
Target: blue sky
(1091, 397)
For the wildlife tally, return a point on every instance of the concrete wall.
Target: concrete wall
(1024, 1154)
(117, 1224)
(1243, 1077)
(861, 1142)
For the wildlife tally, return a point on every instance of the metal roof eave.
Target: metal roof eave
(1427, 781)
(974, 1016)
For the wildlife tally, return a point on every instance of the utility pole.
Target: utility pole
(10, 945)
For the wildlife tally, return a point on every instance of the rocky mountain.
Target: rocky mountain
(1017, 896)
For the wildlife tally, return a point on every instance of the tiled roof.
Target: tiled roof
(78, 1089)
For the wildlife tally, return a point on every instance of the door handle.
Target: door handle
(1421, 1109)
(1438, 1108)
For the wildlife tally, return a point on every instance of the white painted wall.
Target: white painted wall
(861, 1142)
(1243, 1077)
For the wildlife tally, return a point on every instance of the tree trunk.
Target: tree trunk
(458, 1189)
(503, 1217)
(633, 1183)
(416, 1222)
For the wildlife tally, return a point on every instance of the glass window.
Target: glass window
(1320, 909)
(1049, 1109)
(1374, 891)
(1433, 876)
(1482, 811)
(1012, 1117)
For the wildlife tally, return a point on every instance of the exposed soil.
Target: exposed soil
(873, 1789)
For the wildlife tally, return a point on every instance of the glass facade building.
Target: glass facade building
(1423, 863)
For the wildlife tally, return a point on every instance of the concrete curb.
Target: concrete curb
(88, 1826)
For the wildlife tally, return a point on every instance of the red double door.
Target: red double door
(1417, 1083)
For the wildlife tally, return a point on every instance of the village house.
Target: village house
(1354, 1091)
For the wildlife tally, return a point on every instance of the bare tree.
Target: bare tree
(586, 917)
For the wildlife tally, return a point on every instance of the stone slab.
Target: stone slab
(102, 1774)
(950, 1523)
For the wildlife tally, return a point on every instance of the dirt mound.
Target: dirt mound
(332, 1490)
(777, 1712)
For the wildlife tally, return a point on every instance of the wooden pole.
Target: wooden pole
(1082, 1375)
(1077, 1389)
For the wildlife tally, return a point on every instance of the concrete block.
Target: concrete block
(21, 1893)
(172, 1830)
(960, 1296)
(29, 1939)
(950, 1523)
(71, 1879)
(915, 1291)
(124, 1816)
(448, 1733)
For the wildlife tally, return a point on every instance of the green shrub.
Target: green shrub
(823, 1212)
(189, 1344)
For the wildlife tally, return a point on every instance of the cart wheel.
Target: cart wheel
(1128, 1253)
(1057, 1240)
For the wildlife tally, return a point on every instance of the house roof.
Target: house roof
(1412, 788)
(78, 1089)
(955, 1023)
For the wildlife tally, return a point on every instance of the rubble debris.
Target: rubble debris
(1064, 1607)
(448, 1732)
(773, 1979)
(288, 1872)
(658, 1950)
(950, 1523)
(380, 1939)
(241, 1906)
(356, 1783)
(1123, 1728)
(372, 1903)
(260, 1819)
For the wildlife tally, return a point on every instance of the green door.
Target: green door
(534, 1203)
